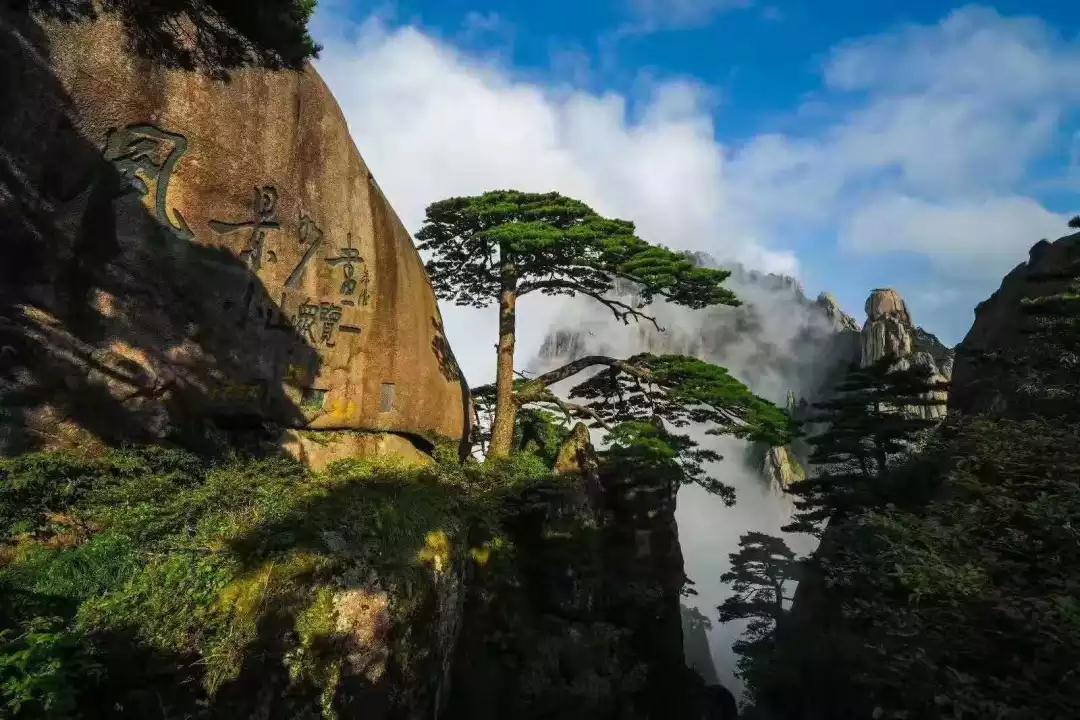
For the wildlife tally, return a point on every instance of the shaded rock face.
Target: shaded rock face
(583, 618)
(179, 251)
(1016, 359)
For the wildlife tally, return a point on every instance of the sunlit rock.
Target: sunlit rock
(183, 251)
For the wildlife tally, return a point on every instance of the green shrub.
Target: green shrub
(153, 568)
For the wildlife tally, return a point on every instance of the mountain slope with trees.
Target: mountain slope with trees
(953, 592)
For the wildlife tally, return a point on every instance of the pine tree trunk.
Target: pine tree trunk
(502, 431)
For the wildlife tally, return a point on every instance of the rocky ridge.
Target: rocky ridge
(1007, 364)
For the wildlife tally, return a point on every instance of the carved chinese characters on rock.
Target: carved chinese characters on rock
(317, 322)
(353, 285)
(145, 157)
(264, 219)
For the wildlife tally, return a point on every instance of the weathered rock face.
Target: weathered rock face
(177, 249)
(1016, 360)
(888, 327)
(890, 332)
(781, 468)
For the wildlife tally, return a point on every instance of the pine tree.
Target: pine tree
(640, 402)
(762, 571)
(503, 245)
(871, 422)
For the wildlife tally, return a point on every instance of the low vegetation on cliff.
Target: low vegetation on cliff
(150, 578)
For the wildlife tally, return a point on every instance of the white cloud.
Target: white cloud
(969, 239)
(951, 117)
(433, 122)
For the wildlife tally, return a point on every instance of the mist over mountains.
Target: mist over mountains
(788, 348)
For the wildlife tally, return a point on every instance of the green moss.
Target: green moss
(166, 571)
(322, 439)
(313, 660)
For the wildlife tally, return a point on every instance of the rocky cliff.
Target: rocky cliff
(890, 332)
(184, 255)
(881, 609)
(1017, 358)
(578, 614)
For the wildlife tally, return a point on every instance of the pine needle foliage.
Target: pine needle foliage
(505, 244)
(871, 424)
(556, 246)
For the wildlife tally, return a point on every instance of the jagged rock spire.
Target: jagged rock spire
(841, 320)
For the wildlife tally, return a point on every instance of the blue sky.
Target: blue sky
(916, 144)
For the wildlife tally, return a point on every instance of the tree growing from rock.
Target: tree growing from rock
(503, 245)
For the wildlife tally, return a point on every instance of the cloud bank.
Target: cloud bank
(921, 141)
(433, 122)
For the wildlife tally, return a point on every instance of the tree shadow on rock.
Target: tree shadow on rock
(115, 324)
(211, 36)
(448, 366)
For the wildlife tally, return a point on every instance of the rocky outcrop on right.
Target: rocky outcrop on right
(1017, 359)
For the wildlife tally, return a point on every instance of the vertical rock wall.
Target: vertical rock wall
(181, 250)
(890, 332)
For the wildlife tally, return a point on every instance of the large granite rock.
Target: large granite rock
(888, 329)
(178, 251)
(890, 332)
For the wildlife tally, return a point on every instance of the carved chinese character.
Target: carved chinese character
(330, 315)
(264, 209)
(325, 315)
(349, 258)
(306, 317)
(144, 155)
(307, 233)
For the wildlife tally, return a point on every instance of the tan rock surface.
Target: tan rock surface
(782, 469)
(184, 248)
(889, 332)
(886, 302)
(888, 329)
